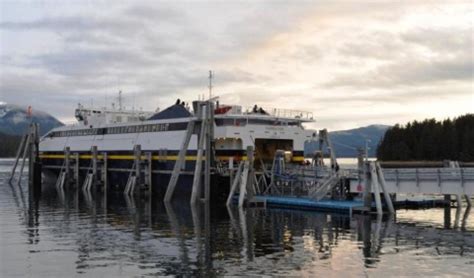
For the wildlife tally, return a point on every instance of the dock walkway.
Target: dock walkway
(339, 206)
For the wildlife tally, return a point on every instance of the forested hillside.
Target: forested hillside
(430, 140)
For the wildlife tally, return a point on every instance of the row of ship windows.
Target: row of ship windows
(120, 130)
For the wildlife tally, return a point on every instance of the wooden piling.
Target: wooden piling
(235, 182)
(375, 185)
(34, 172)
(67, 164)
(138, 155)
(104, 171)
(251, 176)
(26, 149)
(94, 165)
(209, 128)
(367, 195)
(149, 172)
(77, 170)
(381, 181)
(196, 190)
(179, 164)
(17, 157)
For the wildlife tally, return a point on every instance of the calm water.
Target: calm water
(66, 235)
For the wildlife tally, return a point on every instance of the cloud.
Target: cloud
(331, 58)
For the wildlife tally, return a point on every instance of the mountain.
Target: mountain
(346, 142)
(15, 121)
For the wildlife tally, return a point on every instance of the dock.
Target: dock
(337, 206)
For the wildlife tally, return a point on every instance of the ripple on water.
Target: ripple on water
(65, 235)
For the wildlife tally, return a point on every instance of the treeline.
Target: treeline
(430, 140)
(8, 145)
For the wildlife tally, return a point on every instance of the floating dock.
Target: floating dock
(338, 206)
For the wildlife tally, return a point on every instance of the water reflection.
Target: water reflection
(140, 235)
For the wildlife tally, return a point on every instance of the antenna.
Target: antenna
(210, 84)
(120, 100)
(133, 107)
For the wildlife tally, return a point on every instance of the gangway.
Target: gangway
(318, 193)
(453, 181)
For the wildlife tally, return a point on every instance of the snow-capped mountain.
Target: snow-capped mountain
(14, 119)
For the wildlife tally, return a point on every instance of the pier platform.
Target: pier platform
(337, 206)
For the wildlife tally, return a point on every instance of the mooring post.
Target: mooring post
(17, 157)
(149, 172)
(468, 200)
(179, 164)
(381, 181)
(104, 172)
(243, 183)
(375, 185)
(77, 166)
(251, 176)
(368, 186)
(235, 182)
(458, 200)
(94, 165)
(209, 137)
(231, 171)
(35, 165)
(246, 178)
(138, 155)
(196, 189)
(26, 151)
(67, 164)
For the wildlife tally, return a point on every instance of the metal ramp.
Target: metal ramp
(318, 193)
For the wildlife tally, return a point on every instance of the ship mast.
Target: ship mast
(210, 84)
(120, 100)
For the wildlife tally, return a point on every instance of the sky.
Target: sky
(350, 63)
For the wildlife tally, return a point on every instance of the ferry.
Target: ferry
(116, 132)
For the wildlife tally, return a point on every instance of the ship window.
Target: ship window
(139, 128)
(223, 122)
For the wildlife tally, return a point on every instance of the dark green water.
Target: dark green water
(70, 234)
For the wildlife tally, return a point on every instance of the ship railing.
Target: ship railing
(283, 113)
